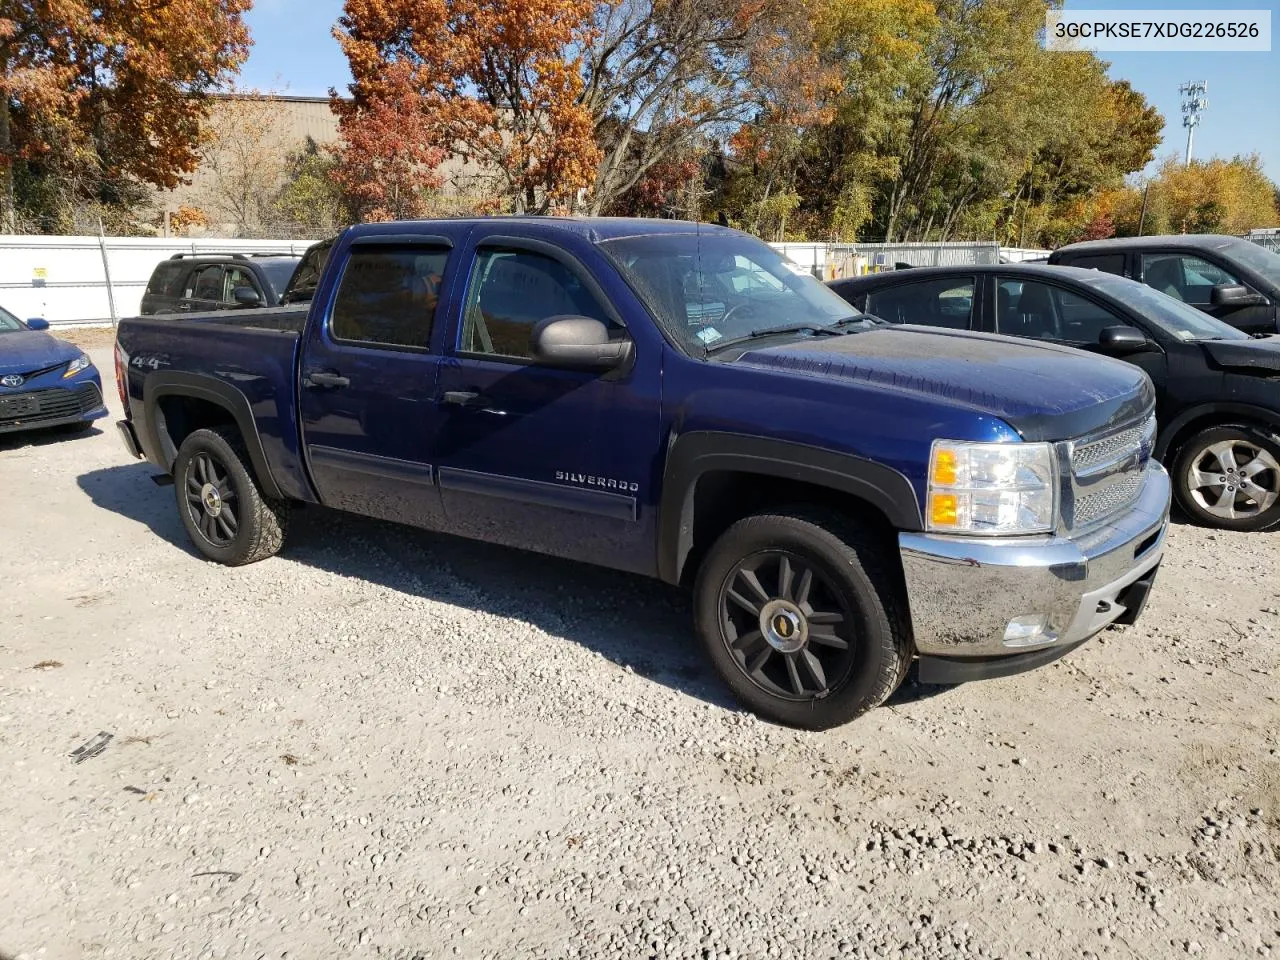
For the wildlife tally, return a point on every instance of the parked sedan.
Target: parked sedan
(1216, 399)
(44, 381)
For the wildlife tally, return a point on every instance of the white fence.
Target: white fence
(64, 279)
(828, 261)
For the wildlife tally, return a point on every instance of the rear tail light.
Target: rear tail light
(122, 377)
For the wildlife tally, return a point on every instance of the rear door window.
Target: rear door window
(1040, 311)
(945, 302)
(166, 279)
(388, 297)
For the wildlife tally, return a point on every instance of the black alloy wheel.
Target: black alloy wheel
(785, 626)
(211, 500)
(802, 613)
(227, 516)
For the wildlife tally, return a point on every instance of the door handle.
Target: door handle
(471, 400)
(325, 378)
(184, 306)
(463, 398)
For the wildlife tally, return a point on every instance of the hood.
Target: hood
(29, 350)
(1043, 391)
(1247, 356)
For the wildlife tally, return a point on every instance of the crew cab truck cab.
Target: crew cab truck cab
(672, 399)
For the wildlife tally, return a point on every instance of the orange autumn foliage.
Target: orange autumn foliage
(114, 87)
(493, 82)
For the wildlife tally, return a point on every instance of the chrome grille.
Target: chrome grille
(1095, 506)
(1097, 455)
(1107, 473)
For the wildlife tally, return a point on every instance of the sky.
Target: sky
(294, 52)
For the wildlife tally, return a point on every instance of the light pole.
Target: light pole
(1193, 101)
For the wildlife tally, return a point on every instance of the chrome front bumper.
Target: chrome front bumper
(963, 592)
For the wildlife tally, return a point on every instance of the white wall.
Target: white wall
(73, 289)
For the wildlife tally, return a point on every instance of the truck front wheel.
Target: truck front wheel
(802, 618)
(224, 511)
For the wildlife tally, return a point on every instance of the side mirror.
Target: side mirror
(246, 297)
(578, 343)
(1234, 295)
(37, 323)
(1123, 340)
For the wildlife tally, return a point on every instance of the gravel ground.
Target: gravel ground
(385, 743)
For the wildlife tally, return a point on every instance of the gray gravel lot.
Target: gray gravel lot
(385, 743)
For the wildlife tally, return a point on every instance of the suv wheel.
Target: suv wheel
(224, 512)
(802, 619)
(1229, 477)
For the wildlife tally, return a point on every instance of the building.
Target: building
(243, 163)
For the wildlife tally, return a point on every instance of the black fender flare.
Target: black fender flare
(170, 383)
(1225, 410)
(693, 454)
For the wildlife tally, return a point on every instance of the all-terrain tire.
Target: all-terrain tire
(213, 471)
(854, 595)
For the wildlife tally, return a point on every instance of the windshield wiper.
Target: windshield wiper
(772, 332)
(857, 318)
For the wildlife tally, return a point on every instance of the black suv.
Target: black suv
(1232, 279)
(192, 283)
(1216, 402)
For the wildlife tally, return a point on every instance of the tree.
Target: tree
(311, 201)
(387, 156)
(1216, 196)
(492, 80)
(243, 151)
(662, 75)
(96, 98)
(835, 154)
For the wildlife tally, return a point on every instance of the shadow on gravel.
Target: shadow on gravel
(43, 438)
(634, 622)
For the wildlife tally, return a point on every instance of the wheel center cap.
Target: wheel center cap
(211, 499)
(784, 626)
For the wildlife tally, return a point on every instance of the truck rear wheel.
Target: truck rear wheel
(224, 511)
(802, 618)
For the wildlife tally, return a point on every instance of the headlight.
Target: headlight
(997, 489)
(76, 365)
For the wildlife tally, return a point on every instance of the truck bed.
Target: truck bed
(289, 319)
(251, 352)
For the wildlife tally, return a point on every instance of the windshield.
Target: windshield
(9, 323)
(719, 287)
(1256, 257)
(278, 272)
(1173, 316)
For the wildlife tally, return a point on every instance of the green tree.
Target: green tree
(311, 200)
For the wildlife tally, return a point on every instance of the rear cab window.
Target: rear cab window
(387, 296)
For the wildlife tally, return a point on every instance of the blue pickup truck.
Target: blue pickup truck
(844, 497)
